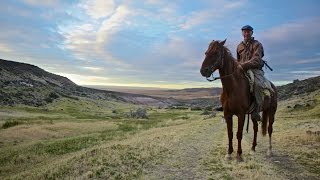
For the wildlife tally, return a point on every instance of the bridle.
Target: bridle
(222, 63)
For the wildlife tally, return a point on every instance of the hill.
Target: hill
(181, 94)
(26, 84)
(298, 87)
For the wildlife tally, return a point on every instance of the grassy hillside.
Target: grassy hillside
(96, 139)
(26, 84)
(51, 128)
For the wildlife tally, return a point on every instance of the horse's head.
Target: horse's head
(213, 59)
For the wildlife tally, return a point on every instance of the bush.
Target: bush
(53, 95)
(205, 112)
(208, 108)
(138, 114)
(178, 107)
(196, 108)
(48, 100)
(8, 124)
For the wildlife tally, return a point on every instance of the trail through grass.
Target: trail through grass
(92, 143)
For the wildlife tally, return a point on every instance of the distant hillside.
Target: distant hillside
(22, 83)
(180, 94)
(298, 87)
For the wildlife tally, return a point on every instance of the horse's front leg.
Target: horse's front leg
(241, 119)
(255, 132)
(228, 119)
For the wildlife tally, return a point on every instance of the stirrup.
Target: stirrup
(256, 116)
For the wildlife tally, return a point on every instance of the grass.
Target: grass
(86, 139)
(292, 137)
(56, 130)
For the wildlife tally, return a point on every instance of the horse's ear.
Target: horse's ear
(222, 42)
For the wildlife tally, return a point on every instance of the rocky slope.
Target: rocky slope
(298, 87)
(27, 84)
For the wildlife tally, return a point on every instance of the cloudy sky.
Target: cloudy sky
(156, 43)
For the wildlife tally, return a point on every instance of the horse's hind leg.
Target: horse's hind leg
(270, 129)
(255, 131)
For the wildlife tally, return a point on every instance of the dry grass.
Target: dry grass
(172, 144)
(36, 132)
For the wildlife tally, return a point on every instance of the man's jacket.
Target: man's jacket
(250, 54)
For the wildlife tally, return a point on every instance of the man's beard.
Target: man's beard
(246, 39)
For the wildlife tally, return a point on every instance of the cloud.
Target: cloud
(98, 8)
(93, 69)
(153, 41)
(86, 80)
(5, 48)
(216, 10)
(234, 4)
(309, 60)
(88, 39)
(80, 40)
(197, 18)
(43, 3)
(154, 2)
(111, 26)
(303, 32)
(292, 43)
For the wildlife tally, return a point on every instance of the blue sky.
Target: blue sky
(156, 43)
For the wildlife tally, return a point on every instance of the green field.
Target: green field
(83, 139)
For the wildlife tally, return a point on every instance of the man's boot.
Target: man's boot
(219, 108)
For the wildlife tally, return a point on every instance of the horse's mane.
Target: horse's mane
(229, 53)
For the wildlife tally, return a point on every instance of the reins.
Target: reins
(229, 75)
(216, 78)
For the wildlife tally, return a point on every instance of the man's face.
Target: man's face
(246, 34)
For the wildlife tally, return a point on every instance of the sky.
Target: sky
(156, 43)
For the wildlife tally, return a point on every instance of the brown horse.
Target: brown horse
(236, 97)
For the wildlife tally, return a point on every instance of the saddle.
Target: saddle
(265, 90)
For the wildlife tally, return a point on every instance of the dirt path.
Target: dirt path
(186, 158)
(200, 155)
(281, 164)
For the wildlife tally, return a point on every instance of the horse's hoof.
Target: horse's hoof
(269, 153)
(239, 158)
(252, 152)
(228, 157)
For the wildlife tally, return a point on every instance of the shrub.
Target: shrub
(196, 108)
(208, 108)
(53, 95)
(205, 112)
(138, 114)
(8, 124)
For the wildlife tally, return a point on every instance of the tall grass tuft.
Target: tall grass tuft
(9, 124)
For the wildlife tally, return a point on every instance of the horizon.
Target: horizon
(156, 44)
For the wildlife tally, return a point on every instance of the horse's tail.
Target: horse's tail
(270, 112)
(265, 117)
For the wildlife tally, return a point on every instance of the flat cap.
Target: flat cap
(247, 27)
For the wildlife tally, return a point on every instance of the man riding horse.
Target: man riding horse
(236, 75)
(249, 56)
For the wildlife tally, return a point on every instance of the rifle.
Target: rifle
(265, 63)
